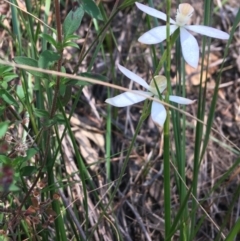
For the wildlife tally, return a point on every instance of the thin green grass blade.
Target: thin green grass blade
(228, 216)
(82, 169)
(166, 147)
(180, 140)
(218, 81)
(45, 29)
(108, 134)
(30, 29)
(180, 217)
(172, 41)
(108, 140)
(59, 223)
(199, 127)
(16, 28)
(99, 38)
(234, 232)
(160, 45)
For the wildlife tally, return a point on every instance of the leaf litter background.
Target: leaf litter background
(138, 205)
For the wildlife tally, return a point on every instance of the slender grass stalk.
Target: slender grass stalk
(173, 39)
(228, 215)
(218, 81)
(166, 148)
(153, 47)
(179, 128)
(234, 232)
(108, 141)
(100, 36)
(180, 216)
(48, 90)
(144, 115)
(183, 192)
(199, 128)
(20, 50)
(31, 30)
(34, 54)
(45, 29)
(109, 122)
(59, 223)
(16, 28)
(82, 168)
(99, 45)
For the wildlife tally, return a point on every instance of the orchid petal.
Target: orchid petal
(133, 76)
(128, 98)
(208, 31)
(190, 49)
(180, 100)
(156, 35)
(158, 113)
(153, 12)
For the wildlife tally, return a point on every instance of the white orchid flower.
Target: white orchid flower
(158, 112)
(190, 49)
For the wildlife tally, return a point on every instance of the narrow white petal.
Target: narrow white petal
(208, 31)
(156, 35)
(133, 76)
(128, 98)
(180, 100)
(153, 12)
(190, 49)
(158, 113)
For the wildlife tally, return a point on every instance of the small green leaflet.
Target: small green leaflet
(47, 57)
(30, 62)
(3, 128)
(8, 98)
(72, 21)
(92, 9)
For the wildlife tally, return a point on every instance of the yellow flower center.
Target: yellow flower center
(184, 13)
(160, 81)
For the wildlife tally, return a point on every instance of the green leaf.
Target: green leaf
(3, 128)
(49, 38)
(28, 171)
(2, 237)
(4, 159)
(75, 82)
(47, 57)
(92, 9)
(72, 21)
(94, 76)
(5, 69)
(71, 37)
(12, 188)
(59, 119)
(19, 160)
(6, 75)
(20, 92)
(9, 76)
(66, 94)
(71, 44)
(126, 3)
(234, 231)
(30, 153)
(2, 109)
(30, 62)
(41, 113)
(8, 98)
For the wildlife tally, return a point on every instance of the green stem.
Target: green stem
(166, 155)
